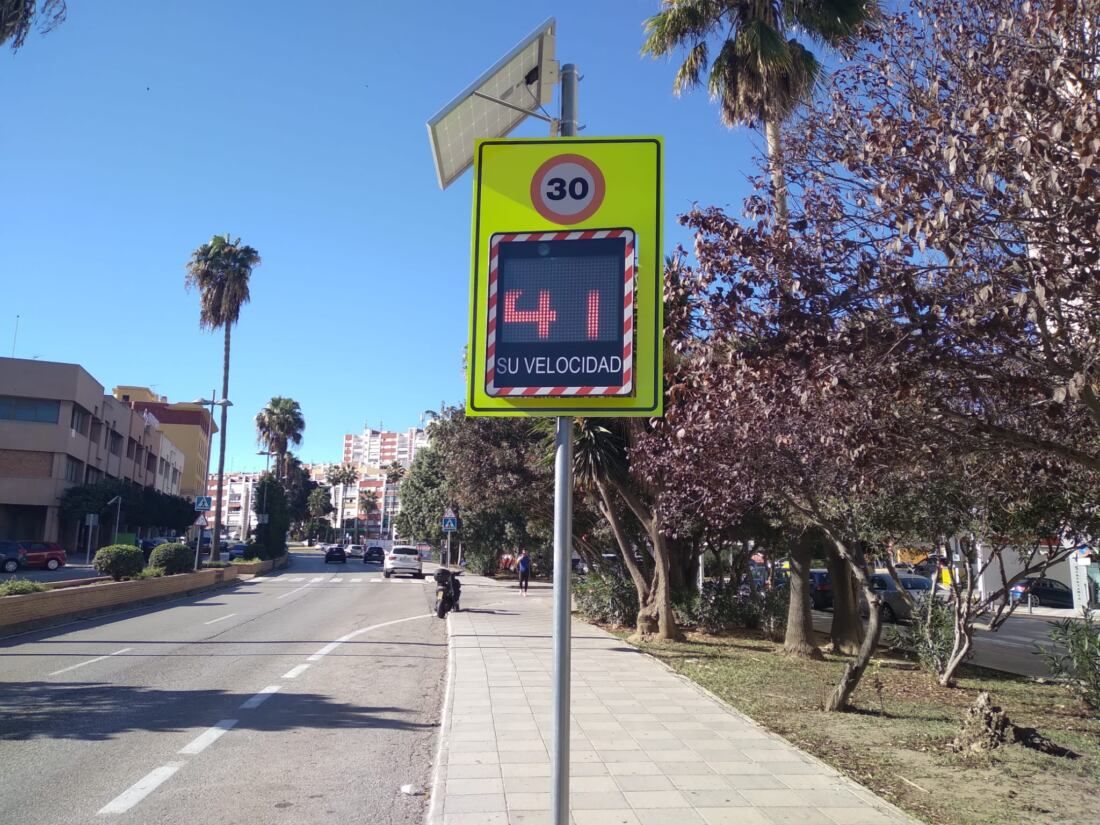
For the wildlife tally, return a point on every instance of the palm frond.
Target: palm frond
(835, 22)
(680, 21)
(691, 70)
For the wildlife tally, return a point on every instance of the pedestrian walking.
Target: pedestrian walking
(523, 566)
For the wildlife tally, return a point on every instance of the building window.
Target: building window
(131, 448)
(175, 476)
(115, 444)
(39, 410)
(97, 431)
(92, 475)
(74, 469)
(151, 463)
(79, 419)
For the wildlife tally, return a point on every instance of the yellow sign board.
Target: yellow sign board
(566, 293)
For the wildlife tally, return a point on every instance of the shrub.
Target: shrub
(1079, 664)
(174, 558)
(20, 587)
(607, 598)
(119, 561)
(482, 562)
(930, 637)
(256, 551)
(149, 573)
(686, 605)
(773, 612)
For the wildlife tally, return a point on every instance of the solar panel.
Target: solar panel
(494, 104)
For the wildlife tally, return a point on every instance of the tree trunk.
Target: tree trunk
(959, 653)
(847, 628)
(775, 167)
(660, 592)
(215, 553)
(854, 670)
(607, 510)
(799, 639)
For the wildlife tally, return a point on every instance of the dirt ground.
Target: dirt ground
(896, 740)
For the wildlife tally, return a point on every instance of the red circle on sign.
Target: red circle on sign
(576, 175)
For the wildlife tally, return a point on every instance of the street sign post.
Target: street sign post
(202, 504)
(566, 292)
(201, 520)
(450, 525)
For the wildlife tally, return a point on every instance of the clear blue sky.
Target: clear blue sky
(137, 130)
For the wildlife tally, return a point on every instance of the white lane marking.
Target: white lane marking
(208, 737)
(297, 579)
(335, 579)
(140, 789)
(222, 619)
(356, 581)
(260, 698)
(295, 671)
(331, 646)
(317, 579)
(295, 590)
(90, 661)
(448, 680)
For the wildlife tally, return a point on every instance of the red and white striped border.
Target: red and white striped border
(628, 314)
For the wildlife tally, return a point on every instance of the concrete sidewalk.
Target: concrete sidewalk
(649, 747)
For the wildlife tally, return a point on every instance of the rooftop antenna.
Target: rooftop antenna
(15, 337)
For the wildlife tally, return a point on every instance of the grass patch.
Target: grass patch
(896, 741)
(20, 587)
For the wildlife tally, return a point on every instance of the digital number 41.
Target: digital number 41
(545, 315)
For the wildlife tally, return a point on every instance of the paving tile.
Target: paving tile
(473, 772)
(644, 783)
(463, 787)
(754, 782)
(587, 769)
(621, 816)
(474, 803)
(765, 798)
(596, 800)
(655, 799)
(828, 798)
(686, 768)
(734, 816)
(709, 798)
(526, 769)
(858, 816)
(669, 816)
(799, 781)
(633, 769)
(476, 819)
(529, 801)
(591, 784)
(699, 782)
(473, 758)
(541, 817)
(797, 816)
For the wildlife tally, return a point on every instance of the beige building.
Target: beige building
(57, 430)
(189, 426)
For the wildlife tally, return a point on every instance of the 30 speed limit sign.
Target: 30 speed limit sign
(567, 189)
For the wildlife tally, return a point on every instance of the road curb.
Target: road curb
(434, 815)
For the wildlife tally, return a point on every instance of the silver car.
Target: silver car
(894, 607)
(403, 559)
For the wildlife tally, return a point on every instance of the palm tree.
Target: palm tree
(758, 74)
(18, 17)
(368, 505)
(220, 270)
(278, 425)
(343, 475)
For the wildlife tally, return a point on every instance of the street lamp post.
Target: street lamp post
(267, 469)
(212, 402)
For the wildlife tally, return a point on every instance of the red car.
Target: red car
(16, 554)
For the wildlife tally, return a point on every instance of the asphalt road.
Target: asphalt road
(311, 696)
(1010, 649)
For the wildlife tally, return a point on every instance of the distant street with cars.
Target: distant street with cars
(311, 695)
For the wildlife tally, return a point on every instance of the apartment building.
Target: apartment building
(238, 493)
(58, 429)
(378, 448)
(371, 452)
(189, 426)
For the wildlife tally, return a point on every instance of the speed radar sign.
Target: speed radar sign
(566, 293)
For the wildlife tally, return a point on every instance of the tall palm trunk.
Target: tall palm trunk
(774, 138)
(215, 554)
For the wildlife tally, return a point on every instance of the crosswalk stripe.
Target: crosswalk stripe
(356, 581)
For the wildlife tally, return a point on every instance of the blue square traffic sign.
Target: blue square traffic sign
(202, 504)
(450, 525)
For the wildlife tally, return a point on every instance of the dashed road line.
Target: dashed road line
(295, 671)
(220, 619)
(90, 661)
(208, 737)
(140, 789)
(261, 697)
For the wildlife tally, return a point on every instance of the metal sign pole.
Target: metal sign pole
(563, 544)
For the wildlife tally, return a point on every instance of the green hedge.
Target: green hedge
(607, 598)
(20, 587)
(119, 561)
(174, 558)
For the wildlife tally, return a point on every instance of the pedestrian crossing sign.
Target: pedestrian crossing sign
(202, 504)
(450, 525)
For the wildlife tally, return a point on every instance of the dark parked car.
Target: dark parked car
(821, 590)
(374, 555)
(16, 554)
(1042, 593)
(336, 554)
(238, 551)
